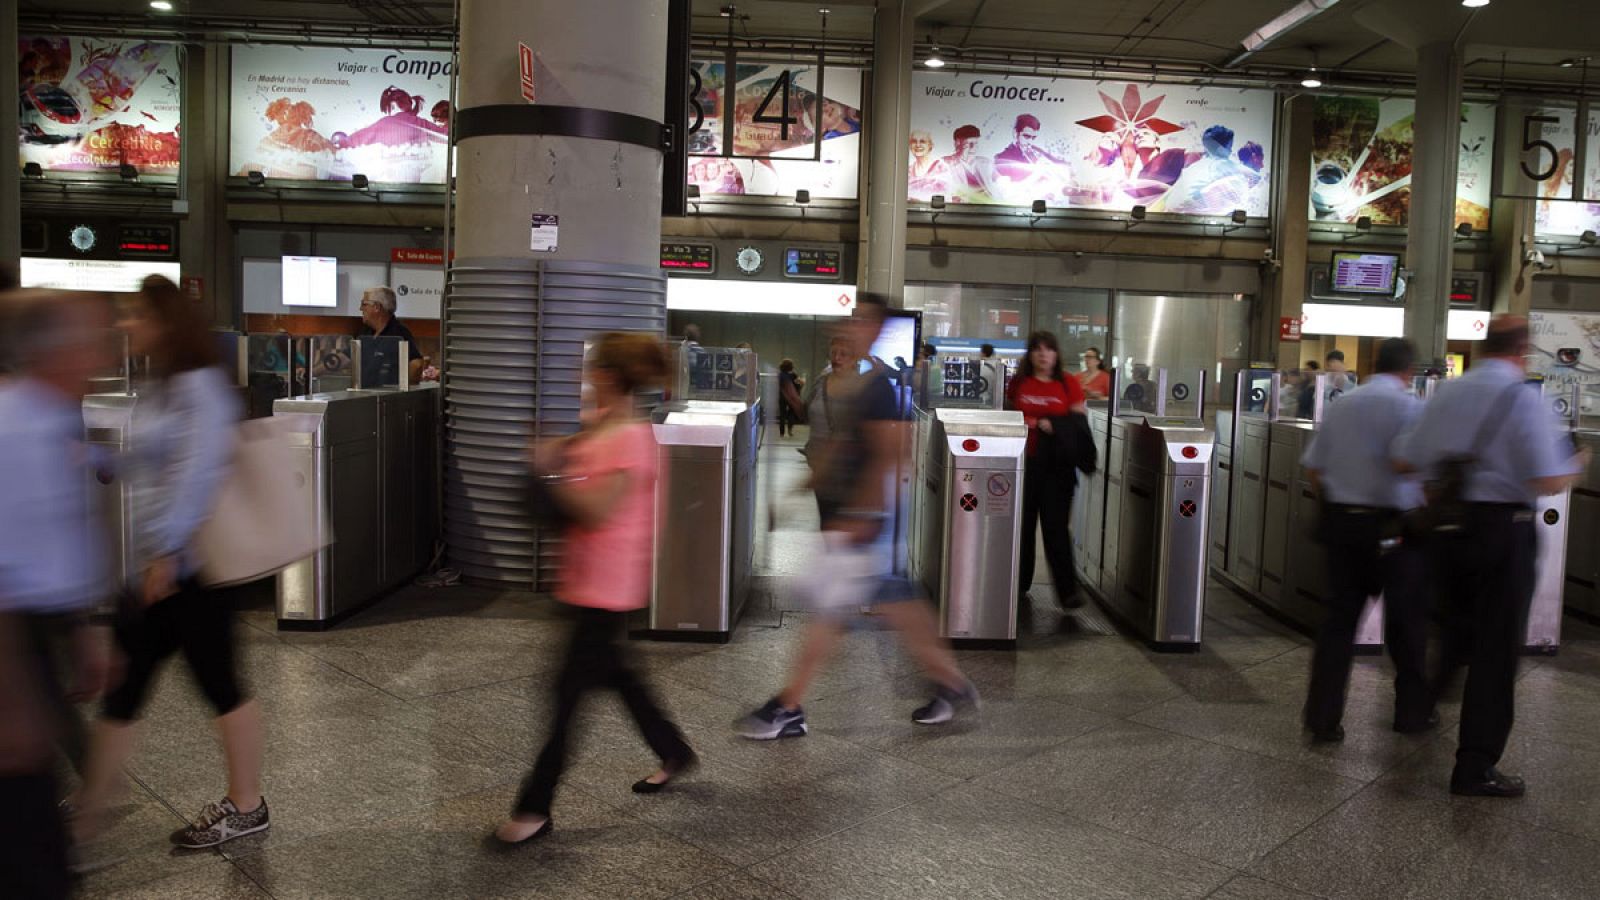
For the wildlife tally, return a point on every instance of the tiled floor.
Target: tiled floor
(1098, 769)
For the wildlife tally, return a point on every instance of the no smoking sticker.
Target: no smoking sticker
(999, 485)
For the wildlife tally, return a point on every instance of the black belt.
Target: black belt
(1353, 510)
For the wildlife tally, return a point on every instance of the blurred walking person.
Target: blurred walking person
(602, 480)
(53, 572)
(853, 469)
(182, 443)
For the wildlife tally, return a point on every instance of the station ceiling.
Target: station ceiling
(1521, 41)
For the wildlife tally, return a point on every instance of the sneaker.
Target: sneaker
(221, 822)
(942, 708)
(772, 721)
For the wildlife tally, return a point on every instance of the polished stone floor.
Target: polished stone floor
(1098, 769)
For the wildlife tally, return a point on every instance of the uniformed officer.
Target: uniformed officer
(1512, 451)
(1352, 462)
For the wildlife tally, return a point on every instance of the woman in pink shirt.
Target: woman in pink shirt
(603, 478)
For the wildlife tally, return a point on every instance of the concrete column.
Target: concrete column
(516, 319)
(883, 250)
(10, 164)
(1291, 226)
(1430, 236)
(1511, 232)
(206, 241)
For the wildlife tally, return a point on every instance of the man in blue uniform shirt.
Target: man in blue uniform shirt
(1352, 462)
(1514, 453)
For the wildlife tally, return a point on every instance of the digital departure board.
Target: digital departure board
(805, 262)
(147, 240)
(1365, 273)
(699, 259)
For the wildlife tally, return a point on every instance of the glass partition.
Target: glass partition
(1183, 333)
(980, 312)
(268, 373)
(329, 360)
(730, 374)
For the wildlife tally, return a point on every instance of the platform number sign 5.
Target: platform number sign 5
(1537, 148)
(782, 117)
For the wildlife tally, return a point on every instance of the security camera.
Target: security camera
(1267, 253)
(1536, 259)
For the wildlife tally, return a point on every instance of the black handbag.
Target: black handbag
(1445, 512)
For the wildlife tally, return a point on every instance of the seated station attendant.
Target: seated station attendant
(1043, 393)
(378, 319)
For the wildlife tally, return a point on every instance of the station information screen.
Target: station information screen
(696, 258)
(147, 240)
(804, 262)
(310, 281)
(1365, 273)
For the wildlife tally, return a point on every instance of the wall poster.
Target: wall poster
(1562, 217)
(1107, 145)
(325, 114)
(762, 160)
(1566, 351)
(94, 104)
(1361, 160)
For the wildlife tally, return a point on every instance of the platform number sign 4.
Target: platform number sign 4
(783, 119)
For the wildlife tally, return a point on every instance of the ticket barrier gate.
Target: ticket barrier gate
(1273, 559)
(1142, 536)
(370, 460)
(108, 422)
(1582, 589)
(705, 518)
(967, 520)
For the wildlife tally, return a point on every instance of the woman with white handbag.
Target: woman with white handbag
(182, 443)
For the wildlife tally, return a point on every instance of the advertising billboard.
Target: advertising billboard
(326, 114)
(96, 104)
(1361, 151)
(773, 151)
(1106, 145)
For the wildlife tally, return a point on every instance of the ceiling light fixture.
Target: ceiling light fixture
(1311, 79)
(161, 5)
(934, 60)
(1474, 4)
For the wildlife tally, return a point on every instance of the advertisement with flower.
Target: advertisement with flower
(1106, 145)
(96, 104)
(327, 114)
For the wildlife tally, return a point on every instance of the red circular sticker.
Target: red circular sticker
(1187, 509)
(970, 445)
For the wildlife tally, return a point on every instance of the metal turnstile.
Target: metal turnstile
(705, 517)
(1157, 488)
(1582, 589)
(107, 423)
(967, 520)
(370, 460)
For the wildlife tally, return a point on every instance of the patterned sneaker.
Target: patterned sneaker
(772, 721)
(942, 708)
(221, 822)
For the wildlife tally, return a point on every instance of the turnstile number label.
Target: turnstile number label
(1187, 509)
(969, 502)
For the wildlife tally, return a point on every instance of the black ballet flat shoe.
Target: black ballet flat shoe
(674, 770)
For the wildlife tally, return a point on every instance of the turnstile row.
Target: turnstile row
(1141, 523)
(1582, 584)
(1268, 553)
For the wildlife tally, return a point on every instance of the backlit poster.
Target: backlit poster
(95, 104)
(326, 114)
(1361, 150)
(766, 159)
(1570, 217)
(1566, 351)
(1107, 145)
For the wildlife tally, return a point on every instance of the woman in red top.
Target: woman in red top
(1095, 379)
(1043, 394)
(604, 479)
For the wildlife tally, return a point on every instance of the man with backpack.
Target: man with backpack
(1491, 448)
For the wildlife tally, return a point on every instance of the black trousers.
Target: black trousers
(1047, 504)
(49, 641)
(597, 657)
(1486, 578)
(196, 620)
(1357, 569)
(33, 839)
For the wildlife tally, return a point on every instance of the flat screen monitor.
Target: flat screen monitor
(1365, 273)
(897, 343)
(311, 281)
